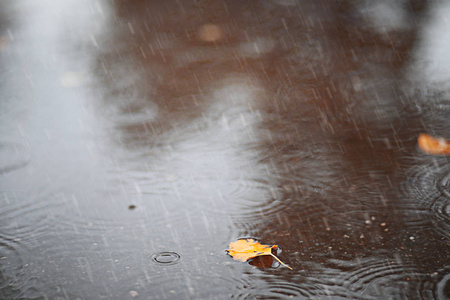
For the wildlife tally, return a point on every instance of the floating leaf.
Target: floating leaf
(245, 249)
(433, 145)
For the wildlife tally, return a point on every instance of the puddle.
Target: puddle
(127, 128)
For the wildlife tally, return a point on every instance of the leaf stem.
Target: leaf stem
(281, 262)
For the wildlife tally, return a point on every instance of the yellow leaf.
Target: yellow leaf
(245, 249)
(433, 145)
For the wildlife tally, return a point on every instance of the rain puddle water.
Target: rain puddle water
(139, 138)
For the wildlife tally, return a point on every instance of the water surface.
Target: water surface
(139, 138)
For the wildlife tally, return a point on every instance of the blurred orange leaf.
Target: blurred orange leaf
(245, 249)
(433, 145)
(210, 33)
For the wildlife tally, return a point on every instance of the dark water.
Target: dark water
(136, 143)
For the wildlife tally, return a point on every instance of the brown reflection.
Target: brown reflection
(337, 130)
(264, 261)
(341, 139)
(158, 66)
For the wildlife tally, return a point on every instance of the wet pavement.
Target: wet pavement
(139, 138)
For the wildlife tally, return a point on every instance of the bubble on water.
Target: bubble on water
(166, 258)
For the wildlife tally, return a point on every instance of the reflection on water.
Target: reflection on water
(431, 52)
(138, 138)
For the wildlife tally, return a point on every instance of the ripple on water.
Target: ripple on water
(24, 225)
(443, 287)
(28, 221)
(429, 183)
(278, 286)
(436, 285)
(31, 240)
(11, 263)
(375, 277)
(211, 165)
